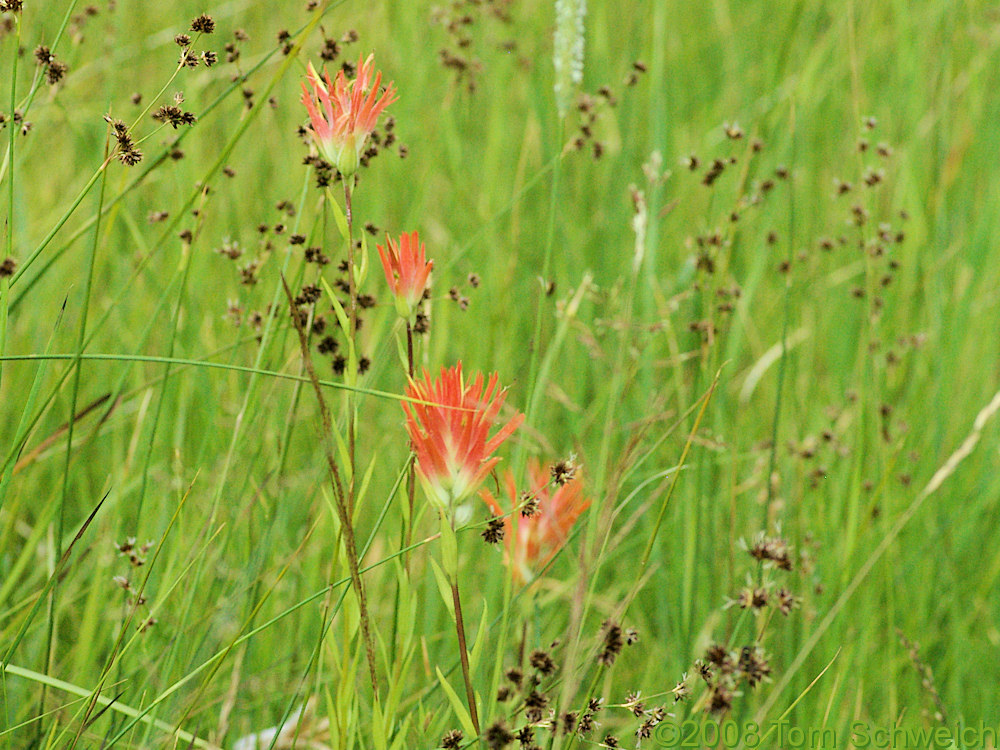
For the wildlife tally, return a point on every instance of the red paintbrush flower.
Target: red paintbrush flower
(540, 536)
(344, 113)
(406, 270)
(449, 422)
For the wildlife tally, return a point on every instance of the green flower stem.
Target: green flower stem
(411, 479)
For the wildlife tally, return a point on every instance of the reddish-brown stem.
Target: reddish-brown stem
(464, 654)
(343, 511)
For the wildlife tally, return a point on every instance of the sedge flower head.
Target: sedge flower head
(449, 420)
(344, 112)
(539, 537)
(407, 270)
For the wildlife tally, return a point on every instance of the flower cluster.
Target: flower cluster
(539, 535)
(449, 421)
(344, 113)
(406, 270)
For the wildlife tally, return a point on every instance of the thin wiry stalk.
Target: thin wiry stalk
(341, 498)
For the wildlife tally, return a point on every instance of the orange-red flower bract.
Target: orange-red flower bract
(344, 113)
(449, 422)
(406, 270)
(540, 537)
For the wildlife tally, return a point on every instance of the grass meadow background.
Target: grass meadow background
(841, 446)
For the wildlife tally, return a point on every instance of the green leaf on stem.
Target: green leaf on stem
(338, 215)
(444, 588)
(477, 648)
(456, 705)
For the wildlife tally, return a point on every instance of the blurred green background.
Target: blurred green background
(890, 322)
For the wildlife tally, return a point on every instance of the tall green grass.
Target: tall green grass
(204, 438)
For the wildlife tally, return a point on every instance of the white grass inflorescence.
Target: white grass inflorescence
(568, 51)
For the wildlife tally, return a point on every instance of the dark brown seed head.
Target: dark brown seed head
(130, 157)
(542, 662)
(494, 531)
(754, 665)
(498, 736)
(704, 670)
(563, 472)
(174, 115)
(569, 722)
(681, 691)
(720, 699)
(633, 704)
(786, 601)
(715, 654)
(203, 24)
(534, 704)
(56, 72)
(613, 642)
